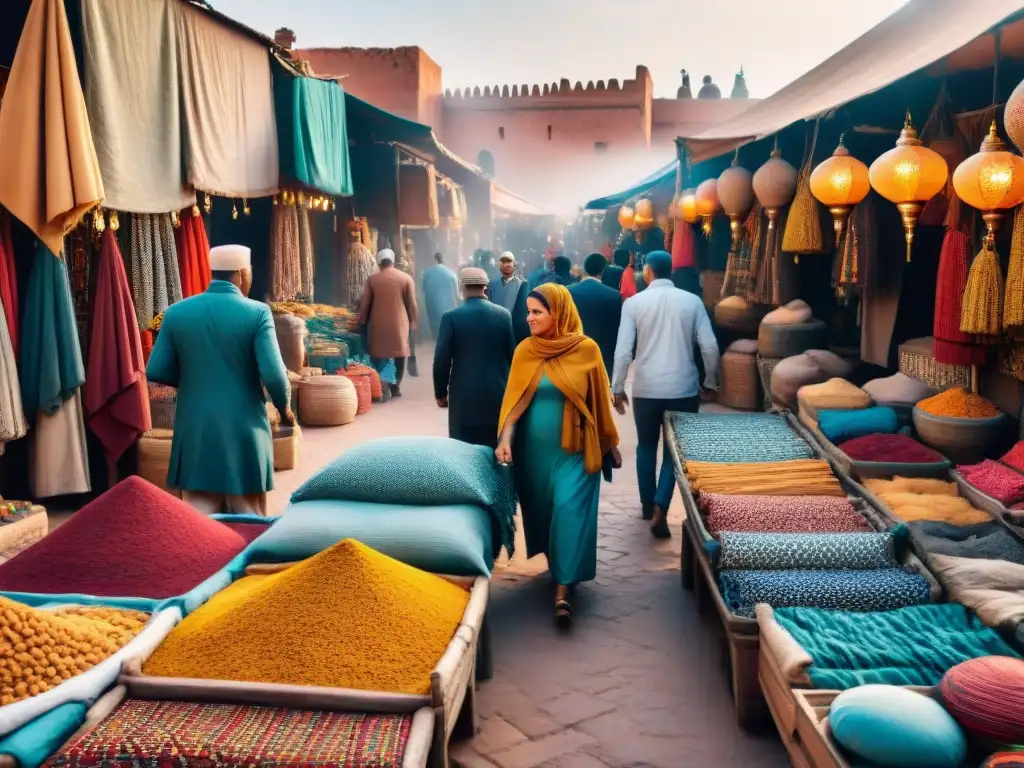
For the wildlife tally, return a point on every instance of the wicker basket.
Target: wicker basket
(789, 340)
(376, 387)
(765, 366)
(740, 381)
(155, 457)
(963, 441)
(286, 448)
(745, 319)
(308, 372)
(328, 401)
(162, 407)
(364, 391)
(917, 360)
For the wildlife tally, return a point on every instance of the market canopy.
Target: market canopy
(919, 34)
(661, 176)
(510, 202)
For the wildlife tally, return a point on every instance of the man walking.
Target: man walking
(441, 292)
(665, 324)
(505, 290)
(600, 308)
(389, 310)
(471, 363)
(220, 350)
(612, 276)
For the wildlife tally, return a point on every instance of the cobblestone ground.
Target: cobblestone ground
(637, 683)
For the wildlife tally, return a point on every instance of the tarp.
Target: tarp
(367, 123)
(661, 176)
(512, 203)
(917, 35)
(312, 131)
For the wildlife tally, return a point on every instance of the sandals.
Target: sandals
(660, 529)
(563, 613)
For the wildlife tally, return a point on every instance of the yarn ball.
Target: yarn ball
(986, 696)
(895, 727)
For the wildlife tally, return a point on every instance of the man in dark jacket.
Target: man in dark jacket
(471, 362)
(612, 275)
(600, 308)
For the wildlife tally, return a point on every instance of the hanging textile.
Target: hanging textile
(49, 174)
(953, 346)
(13, 424)
(307, 260)
(231, 145)
(983, 296)
(193, 250)
(859, 245)
(312, 132)
(417, 196)
(285, 257)
(361, 265)
(156, 283)
(137, 131)
(116, 394)
(8, 280)
(1013, 296)
(683, 246)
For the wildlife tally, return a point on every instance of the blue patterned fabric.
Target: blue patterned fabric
(806, 551)
(750, 437)
(840, 426)
(883, 589)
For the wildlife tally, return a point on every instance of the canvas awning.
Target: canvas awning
(510, 202)
(919, 34)
(663, 175)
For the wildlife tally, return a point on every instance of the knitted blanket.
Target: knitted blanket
(785, 551)
(755, 437)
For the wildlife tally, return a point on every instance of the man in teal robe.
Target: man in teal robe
(220, 350)
(441, 292)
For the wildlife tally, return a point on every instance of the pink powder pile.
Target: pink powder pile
(999, 482)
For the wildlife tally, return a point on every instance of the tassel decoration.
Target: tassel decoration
(115, 223)
(98, 221)
(953, 346)
(983, 298)
(1013, 302)
(195, 211)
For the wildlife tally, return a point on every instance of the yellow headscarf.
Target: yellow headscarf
(574, 364)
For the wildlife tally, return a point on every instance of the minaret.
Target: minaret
(739, 87)
(684, 91)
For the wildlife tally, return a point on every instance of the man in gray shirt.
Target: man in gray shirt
(504, 290)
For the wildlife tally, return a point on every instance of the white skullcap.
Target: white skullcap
(230, 258)
(507, 256)
(473, 276)
(385, 255)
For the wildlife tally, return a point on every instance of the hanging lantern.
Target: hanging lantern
(840, 182)
(1013, 116)
(991, 180)
(736, 194)
(774, 185)
(626, 217)
(707, 204)
(688, 207)
(910, 174)
(643, 218)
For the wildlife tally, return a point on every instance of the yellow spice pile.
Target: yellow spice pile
(349, 617)
(801, 477)
(41, 649)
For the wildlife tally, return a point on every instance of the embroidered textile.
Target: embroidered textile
(156, 283)
(817, 552)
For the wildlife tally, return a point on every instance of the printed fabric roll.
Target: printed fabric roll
(780, 514)
(816, 552)
(729, 438)
(884, 589)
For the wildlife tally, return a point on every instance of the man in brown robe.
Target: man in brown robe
(389, 311)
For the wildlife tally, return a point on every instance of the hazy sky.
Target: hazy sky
(488, 42)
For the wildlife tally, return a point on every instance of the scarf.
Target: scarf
(574, 365)
(156, 283)
(193, 254)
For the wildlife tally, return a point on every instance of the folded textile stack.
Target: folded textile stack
(911, 499)
(811, 477)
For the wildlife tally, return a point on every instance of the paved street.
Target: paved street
(637, 683)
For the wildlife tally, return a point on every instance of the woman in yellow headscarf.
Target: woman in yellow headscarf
(556, 423)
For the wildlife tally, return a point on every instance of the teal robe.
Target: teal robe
(220, 350)
(441, 292)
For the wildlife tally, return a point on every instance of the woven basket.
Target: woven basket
(963, 441)
(740, 388)
(327, 401)
(364, 391)
(743, 320)
(765, 366)
(789, 340)
(162, 406)
(308, 372)
(155, 457)
(286, 448)
(917, 360)
(376, 388)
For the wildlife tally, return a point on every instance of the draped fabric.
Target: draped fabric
(285, 254)
(8, 280)
(137, 131)
(227, 93)
(49, 174)
(683, 246)
(156, 283)
(307, 260)
(360, 266)
(116, 395)
(193, 249)
(13, 424)
(858, 248)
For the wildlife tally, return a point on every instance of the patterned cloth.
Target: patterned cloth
(156, 282)
(160, 734)
(306, 257)
(285, 256)
(780, 514)
(817, 552)
(884, 589)
(986, 541)
(13, 424)
(361, 265)
(754, 437)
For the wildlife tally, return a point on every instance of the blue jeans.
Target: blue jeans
(649, 416)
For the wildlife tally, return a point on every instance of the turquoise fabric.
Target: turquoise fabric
(558, 498)
(896, 728)
(50, 367)
(454, 540)
(908, 646)
(748, 437)
(220, 350)
(34, 743)
(312, 132)
(840, 426)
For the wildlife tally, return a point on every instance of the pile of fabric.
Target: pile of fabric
(1003, 484)
(912, 499)
(811, 477)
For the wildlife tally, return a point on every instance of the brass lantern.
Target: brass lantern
(643, 214)
(774, 185)
(688, 207)
(736, 194)
(839, 183)
(626, 217)
(991, 180)
(707, 204)
(910, 174)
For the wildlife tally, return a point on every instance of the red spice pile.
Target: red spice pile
(133, 541)
(1015, 457)
(891, 448)
(992, 478)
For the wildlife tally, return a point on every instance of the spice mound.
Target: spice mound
(39, 650)
(891, 448)
(959, 403)
(133, 541)
(349, 617)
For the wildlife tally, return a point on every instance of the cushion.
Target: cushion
(834, 394)
(840, 426)
(453, 539)
(743, 347)
(986, 696)
(794, 313)
(895, 727)
(792, 374)
(832, 364)
(898, 390)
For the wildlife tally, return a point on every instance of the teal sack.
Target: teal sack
(144, 604)
(840, 426)
(34, 743)
(453, 540)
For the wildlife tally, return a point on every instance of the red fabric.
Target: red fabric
(8, 279)
(133, 541)
(193, 255)
(683, 246)
(953, 346)
(116, 395)
(627, 287)
(147, 344)
(894, 448)
(248, 531)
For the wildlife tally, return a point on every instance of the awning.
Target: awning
(512, 203)
(367, 123)
(645, 185)
(920, 33)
